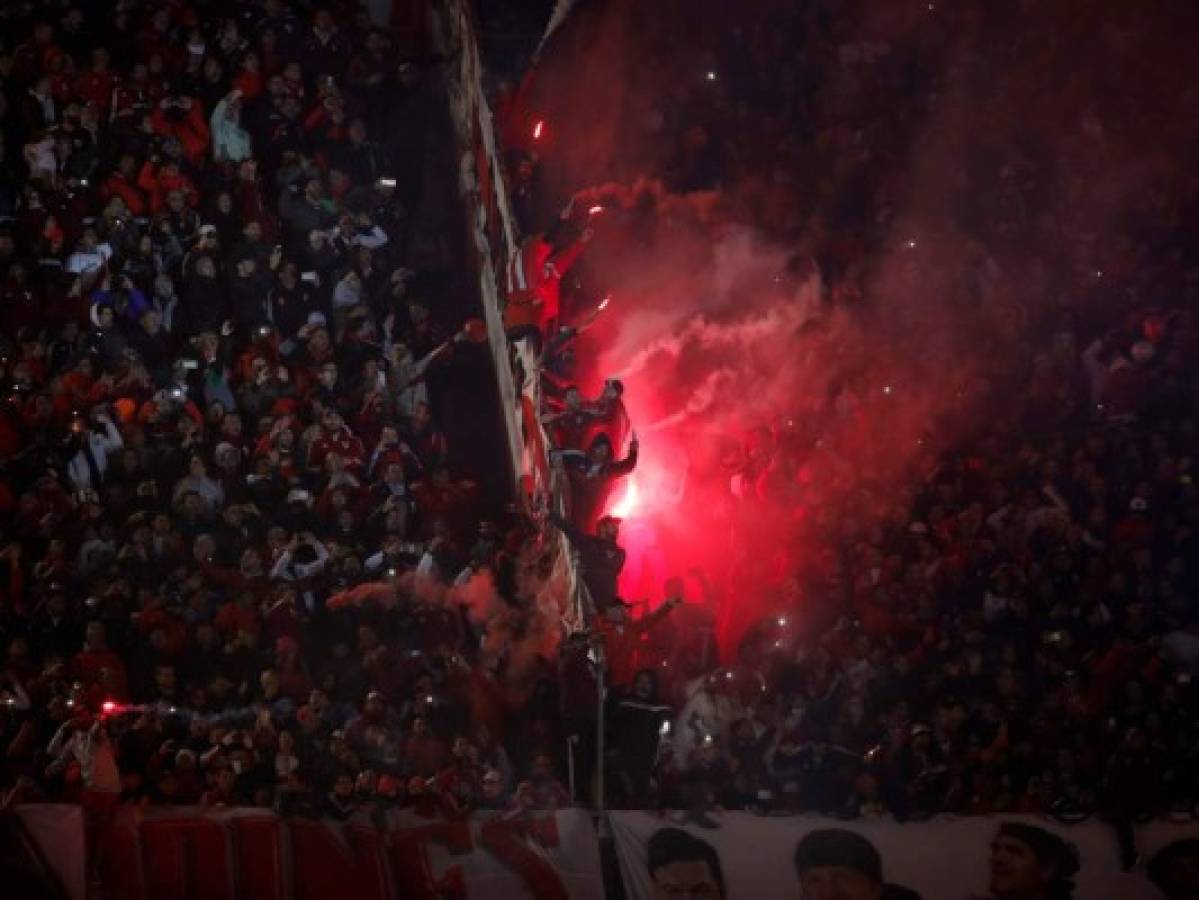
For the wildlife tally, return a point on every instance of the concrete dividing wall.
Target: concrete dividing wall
(494, 238)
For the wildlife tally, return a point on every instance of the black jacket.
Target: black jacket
(600, 562)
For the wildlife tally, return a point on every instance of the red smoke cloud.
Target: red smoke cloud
(795, 373)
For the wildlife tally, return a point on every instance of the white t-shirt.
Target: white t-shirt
(89, 260)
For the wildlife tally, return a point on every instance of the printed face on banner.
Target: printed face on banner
(838, 883)
(804, 857)
(687, 880)
(683, 867)
(1016, 871)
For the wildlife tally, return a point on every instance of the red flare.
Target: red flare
(475, 331)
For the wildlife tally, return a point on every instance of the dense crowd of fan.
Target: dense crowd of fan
(237, 569)
(237, 566)
(1019, 631)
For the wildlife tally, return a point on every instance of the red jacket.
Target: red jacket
(95, 87)
(533, 282)
(344, 443)
(157, 184)
(117, 185)
(191, 130)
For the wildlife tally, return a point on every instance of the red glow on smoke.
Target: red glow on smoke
(108, 707)
(630, 501)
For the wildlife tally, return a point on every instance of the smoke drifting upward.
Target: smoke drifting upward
(848, 237)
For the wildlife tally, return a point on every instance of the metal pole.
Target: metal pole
(599, 737)
(570, 766)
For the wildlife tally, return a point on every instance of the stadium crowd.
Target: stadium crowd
(244, 560)
(1019, 631)
(237, 568)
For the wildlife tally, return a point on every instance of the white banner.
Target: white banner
(759, 858)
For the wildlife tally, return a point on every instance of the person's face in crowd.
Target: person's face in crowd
(542, 768)
(164, 680)
(332, 419)
(574, 399)
(367, 641)
(205, 267)
(691, 879)
(253, 232)
(269, 680)
(18, 654)
(357, 131)
(314, 192)
(319, 341)
(608, 530)
(643, 686)
(226, 778)
(205, 635)
(94, 636)
(461, 749)
(43, 406)
(251, 562)
(203, 547)
(318, 701)
(328, 380)
(493, 787)
(343, 787)
(1016, 871)
(164, 288)
(246, 267)
(196, 468)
